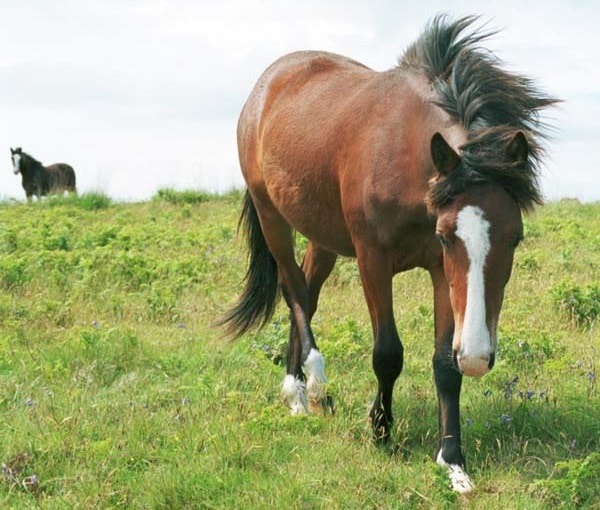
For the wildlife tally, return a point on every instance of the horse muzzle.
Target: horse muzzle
(474, 366)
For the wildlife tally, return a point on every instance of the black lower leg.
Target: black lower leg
(388, 358)
(448, 384)
(294, 352)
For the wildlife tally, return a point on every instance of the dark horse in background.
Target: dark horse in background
(42, 180)
(430, 165)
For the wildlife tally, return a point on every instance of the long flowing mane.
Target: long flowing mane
(491, 104)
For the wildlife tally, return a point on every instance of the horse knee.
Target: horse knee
(447, 378)
(388, 359)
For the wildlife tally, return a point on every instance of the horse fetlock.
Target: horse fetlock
(316, 386)
(381, 422)
(293, 394)
(314, 368)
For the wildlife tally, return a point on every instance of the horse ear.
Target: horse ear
(444, 157)
(517, 149)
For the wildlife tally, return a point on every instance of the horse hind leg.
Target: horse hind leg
(304, 355)
(72, 187)
(309, 370)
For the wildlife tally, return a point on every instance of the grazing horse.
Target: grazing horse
(429, 164)
(42, 180)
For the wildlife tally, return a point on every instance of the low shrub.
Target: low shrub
(182, 197)
(582, 304)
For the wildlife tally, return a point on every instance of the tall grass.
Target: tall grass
(183, 197)
(90, 201)
(116, 391)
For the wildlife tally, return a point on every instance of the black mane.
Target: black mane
(30, 160)
(492, 105)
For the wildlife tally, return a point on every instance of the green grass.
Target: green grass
(117, 392)
(185, 197)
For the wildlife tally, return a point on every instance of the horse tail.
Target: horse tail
(256, 304)
(72, 180)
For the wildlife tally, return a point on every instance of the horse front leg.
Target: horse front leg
(388, 352)
(448, 384)
(448, 381)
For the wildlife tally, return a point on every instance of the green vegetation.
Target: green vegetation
(575, 482)
(117, 392)
(184, 197)
(582, 305)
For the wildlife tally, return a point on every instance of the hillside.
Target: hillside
(116, 390)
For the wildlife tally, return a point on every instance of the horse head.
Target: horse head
(479, 227)
(16, 156)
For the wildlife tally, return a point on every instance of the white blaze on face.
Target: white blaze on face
(474, 335)
(16, 158)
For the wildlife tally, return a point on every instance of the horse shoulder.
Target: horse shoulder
(384, 194)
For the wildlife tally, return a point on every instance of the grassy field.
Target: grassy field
(117, 392)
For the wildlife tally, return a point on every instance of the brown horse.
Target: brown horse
(429, 164)
(42, 180)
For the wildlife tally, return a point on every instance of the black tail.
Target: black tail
(260, 295)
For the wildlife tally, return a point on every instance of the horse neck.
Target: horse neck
(30, 168)
(435, 117)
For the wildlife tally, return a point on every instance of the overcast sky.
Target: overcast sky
(142, 95)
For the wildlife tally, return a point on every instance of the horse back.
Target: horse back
(336, 147)
(61, 176)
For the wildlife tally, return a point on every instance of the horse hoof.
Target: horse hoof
(303, 400)
(459, 479)
(382, 438)
(322, 406)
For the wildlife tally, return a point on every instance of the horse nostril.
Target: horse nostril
(492, 360)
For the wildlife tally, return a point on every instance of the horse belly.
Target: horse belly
(310, 203)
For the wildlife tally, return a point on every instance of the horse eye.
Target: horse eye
(442, 239)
